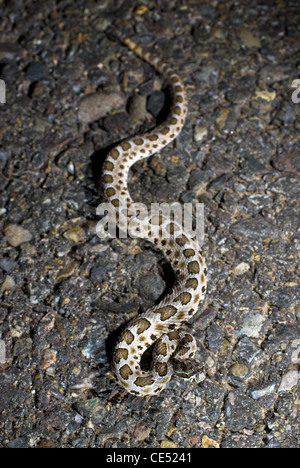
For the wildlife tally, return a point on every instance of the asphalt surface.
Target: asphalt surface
(73, 91)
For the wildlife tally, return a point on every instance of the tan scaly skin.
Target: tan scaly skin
(160, 323)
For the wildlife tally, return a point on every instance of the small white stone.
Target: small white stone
(2, 352)
(16, 235)
(241, 268)
(288, 381)
(8, 283)
(200, 133)
(252, 325)
(263, 391)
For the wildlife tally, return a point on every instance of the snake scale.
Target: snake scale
(173, 349)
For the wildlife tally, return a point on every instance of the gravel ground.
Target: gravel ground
(72, 91)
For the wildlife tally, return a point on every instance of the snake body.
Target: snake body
(159, 325)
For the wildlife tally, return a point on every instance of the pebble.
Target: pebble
(94, 106)
(205, 318)
(8, 283)
(241, 411)
(158, 165)
(22, 347)
(295, 356)
(71, 168)
(177, 174)
(265, 95)
(273, 444)
(94, 349)
(36, 71)
(215, 338)
(98, 273)
(3, 159)
(94, 408)
(137, 108)
(255, 203)
(66, 272)
(256, 394)
(288, 162)
(219, 182)
(75, 233)
(156, 102)
(10, 51)
(16, 235)
(239, 370)
(168, 444)
(248, 39)
(19, 442)
(287, 185)
(38, 291)
(223, 115)
(140, 10)
(187, 196)
(207, 442)
(241, 268)
(49, 358)
(237, 95)
(140, 431)
(197, 179)
(117, 123)
(247, 351)
(252, 325)
(207, 74)
(7, 264)
(151, 286)
(200, 133)
(289, 380)
(256, 228)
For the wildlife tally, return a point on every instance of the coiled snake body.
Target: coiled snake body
(158, 325)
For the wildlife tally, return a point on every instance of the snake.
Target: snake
(159, 329)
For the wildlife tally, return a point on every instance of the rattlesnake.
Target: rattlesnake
(160, 323)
